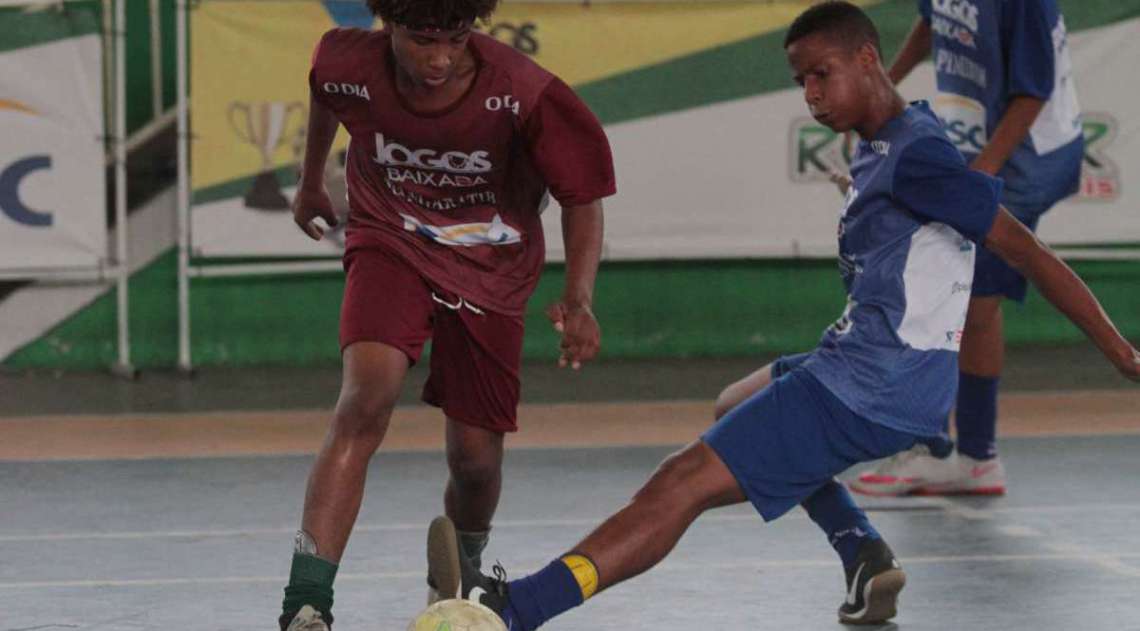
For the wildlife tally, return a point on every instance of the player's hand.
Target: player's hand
(310, 204)
(581, 336)
(842, 181)
(1130, 366)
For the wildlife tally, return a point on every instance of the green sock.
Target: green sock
(473, 543)
(310, 583)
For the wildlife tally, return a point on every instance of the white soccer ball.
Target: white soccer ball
(457, 615)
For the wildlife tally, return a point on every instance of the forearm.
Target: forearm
(1011, 131)
(318, 142)
(914, 50)
(582, 237)
(1061, 286)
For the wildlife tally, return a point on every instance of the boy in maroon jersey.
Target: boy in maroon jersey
(455, 141)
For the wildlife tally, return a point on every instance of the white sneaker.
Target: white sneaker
(916, 472)
(307, 619)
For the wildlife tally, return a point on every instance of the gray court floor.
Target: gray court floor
(205, 544)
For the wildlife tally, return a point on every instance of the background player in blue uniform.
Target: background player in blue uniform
(883, 376)
(1007, 99)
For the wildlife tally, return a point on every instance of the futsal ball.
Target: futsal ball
(457, 615)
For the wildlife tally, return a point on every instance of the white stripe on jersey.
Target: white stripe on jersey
(936, 284)
(1059, 122)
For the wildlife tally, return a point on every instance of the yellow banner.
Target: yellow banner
(582, 43)
(249, 86)
(249, 95)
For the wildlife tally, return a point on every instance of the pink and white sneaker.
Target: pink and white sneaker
(916, 472)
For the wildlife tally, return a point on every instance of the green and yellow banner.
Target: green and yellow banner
(715, 156)
(53, 212)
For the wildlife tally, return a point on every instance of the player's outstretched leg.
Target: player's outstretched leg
(874, 577)
(630, 542)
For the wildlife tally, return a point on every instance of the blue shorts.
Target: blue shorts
(794, 436)
(993, 276)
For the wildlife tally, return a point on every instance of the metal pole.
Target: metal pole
(123, 367)
(108, 69)
(156, 57)
(275, 269)
(183, 193)
(108, 51)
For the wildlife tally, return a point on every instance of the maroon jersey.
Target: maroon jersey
(457, 193)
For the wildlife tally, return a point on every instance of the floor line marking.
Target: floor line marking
(1112, 563)
(921, 504)
(668, 566)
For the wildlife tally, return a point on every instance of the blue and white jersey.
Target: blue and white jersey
(985, 53)
(907, 235)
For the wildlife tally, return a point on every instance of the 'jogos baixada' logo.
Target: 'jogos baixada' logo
(814, 150)
(12, 175)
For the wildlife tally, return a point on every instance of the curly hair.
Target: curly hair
(432, 13)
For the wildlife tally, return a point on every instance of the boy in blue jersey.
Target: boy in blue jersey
(1007, 100)
(882, 378)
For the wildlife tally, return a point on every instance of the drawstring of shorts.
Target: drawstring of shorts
(458, 305)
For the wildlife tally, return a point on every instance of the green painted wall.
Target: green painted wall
(687, 309)
(140, 100)
(19, 28)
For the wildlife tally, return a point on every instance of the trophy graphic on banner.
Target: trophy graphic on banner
(264, 125)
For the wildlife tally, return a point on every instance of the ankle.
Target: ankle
(472, 543)
(310, 583)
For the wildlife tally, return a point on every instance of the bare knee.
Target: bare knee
(675, 483)
(726, 400)
(693, 479)
(362, 418)
(373, 375)
(470, 469)
(736, 393)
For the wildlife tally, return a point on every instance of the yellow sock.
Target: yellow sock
(584, 572)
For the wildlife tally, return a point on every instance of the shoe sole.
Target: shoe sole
(926, 491)
(882, 597)
(443, 558)
(981, 490)
(862, 490)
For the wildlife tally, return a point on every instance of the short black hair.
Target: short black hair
(432, 14)
(841, 20)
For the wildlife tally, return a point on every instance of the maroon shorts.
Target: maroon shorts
(475, 353)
